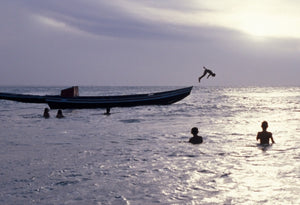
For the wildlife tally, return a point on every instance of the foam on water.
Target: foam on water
(140, 155)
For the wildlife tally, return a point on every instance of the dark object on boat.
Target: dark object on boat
(91, 102)
(70, 92)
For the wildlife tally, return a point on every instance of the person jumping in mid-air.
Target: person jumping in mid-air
(210, 73)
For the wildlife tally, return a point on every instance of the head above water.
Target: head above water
(194, 131)
(264, 125)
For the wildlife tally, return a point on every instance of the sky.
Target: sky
(148, 42)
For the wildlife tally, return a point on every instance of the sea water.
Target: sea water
(141, 155)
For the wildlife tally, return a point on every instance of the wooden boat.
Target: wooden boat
(92, 102)
(161, 98)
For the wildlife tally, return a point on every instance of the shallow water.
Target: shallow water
(140, 155)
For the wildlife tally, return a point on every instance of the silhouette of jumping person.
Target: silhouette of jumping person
(195, 139)
(264, 136)
(210, 73)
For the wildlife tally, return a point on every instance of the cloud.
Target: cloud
(100, 18)
(167, 19)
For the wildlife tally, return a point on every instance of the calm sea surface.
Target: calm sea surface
(140, 155)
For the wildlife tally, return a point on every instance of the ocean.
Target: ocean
(141, 155)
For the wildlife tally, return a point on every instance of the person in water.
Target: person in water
(195, 139)
(107, 111)
(264, 136)
(59, 114)
(210, 73)
(46, 113)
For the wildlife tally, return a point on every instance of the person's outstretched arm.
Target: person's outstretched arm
(272, 139)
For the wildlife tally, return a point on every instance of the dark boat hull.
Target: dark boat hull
(26, 98)
(162, 98)
(92, 102)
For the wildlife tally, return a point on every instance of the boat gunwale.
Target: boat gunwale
(128, 98)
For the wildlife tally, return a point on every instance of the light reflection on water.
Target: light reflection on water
(141, 155)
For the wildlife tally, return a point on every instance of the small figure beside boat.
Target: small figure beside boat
(59, 114)
(46, 113)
